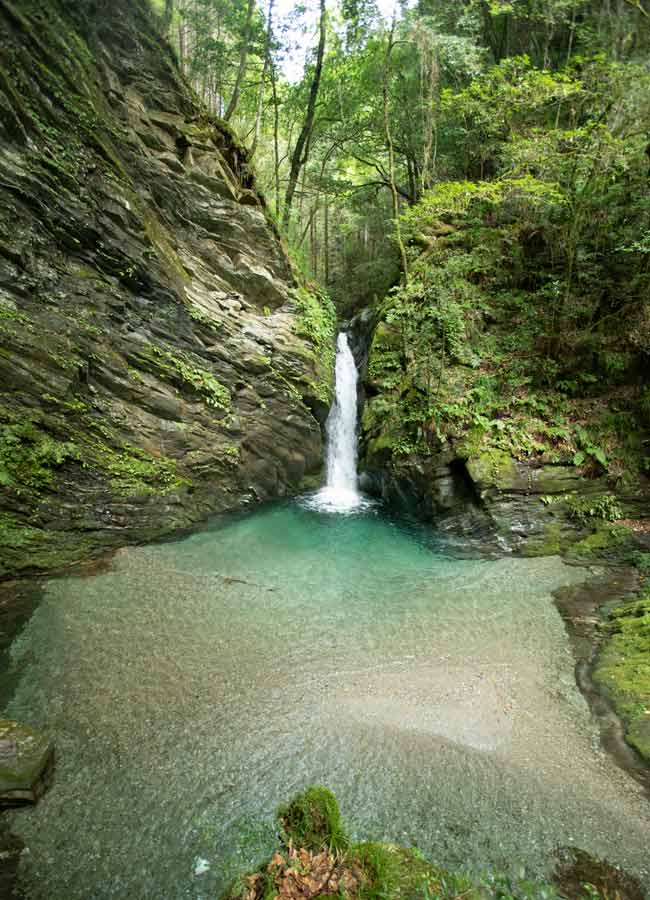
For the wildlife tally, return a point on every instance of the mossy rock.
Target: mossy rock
(386, 337)
(576, 869)
(549, 543)
(607, 542)
(26, 758)
(380, 448)
(623, 670)
(313, 820)
(317, 860)
(494, 468)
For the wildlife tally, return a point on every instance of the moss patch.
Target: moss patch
(313, 820)
(25, 547)
(623, 669)
(134, 472)
(492, 468)
(181, 369)
(607, 542)
(550, 543)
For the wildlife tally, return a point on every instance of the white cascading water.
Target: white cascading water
(341, 492)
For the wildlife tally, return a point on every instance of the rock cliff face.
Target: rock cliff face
(157, 356)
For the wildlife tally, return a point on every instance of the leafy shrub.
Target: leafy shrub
(603, 508)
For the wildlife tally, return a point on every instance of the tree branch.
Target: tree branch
(638, 5)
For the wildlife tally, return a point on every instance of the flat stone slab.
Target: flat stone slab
(26, 760)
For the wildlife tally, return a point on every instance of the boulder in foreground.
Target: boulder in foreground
(26, 760)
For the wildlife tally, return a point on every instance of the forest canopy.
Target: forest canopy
(477, 170)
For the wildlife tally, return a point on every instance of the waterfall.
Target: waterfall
(341, 493)
(341, 425)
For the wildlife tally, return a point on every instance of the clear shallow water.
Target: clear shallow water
(199, 683)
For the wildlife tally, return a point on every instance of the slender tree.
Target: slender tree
(301, 150)
(268, 64)
(243, 61)
(391, 147)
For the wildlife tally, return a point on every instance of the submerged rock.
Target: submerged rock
(26, 760)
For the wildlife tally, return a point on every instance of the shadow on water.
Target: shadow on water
(18, 600)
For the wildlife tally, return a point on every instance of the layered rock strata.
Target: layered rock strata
(158, 359)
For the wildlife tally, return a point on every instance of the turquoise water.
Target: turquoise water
(197, 684)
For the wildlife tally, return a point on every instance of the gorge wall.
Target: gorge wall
(469, 482)
(158, 358)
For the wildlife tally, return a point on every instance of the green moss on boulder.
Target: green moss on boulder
(549, 544)
(313, 820)
(623, 670)
(494, 468)
(606, 542)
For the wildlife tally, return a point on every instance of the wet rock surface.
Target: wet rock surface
(515, 506)
(26, 761)
(155, 363)
(585, 609)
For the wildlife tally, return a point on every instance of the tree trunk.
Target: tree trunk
(243, 61)
(265, 70)
(326, 243)
(182, 39)
(301, 150)
(276, 139)
(391, 149)
(168, 16)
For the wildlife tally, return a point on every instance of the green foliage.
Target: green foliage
(587, 510)
(507, 333)
(588, 449)
(316, 322)
(641, 559)
(30, 458)
(316, 318)
(184, 370)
